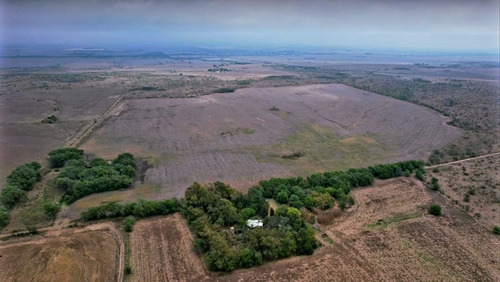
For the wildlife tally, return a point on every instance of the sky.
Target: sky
(425, 25)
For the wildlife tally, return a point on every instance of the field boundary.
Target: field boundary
(81, 135)
(463, 160)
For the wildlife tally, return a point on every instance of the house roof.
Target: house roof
(252, 223)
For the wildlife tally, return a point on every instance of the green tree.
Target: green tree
(296, 202)
(51, 209)
(322, 200)
(11, 195)
(247, 213)
(282, 197)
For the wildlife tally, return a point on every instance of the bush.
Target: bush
(128, 223)
(128, 269)
(4, 217)
(50, 119)
(51, 209)
(435, 210)
(435, 184)
(420, 175)
(496, 230)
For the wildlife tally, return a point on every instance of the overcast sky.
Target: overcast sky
(437, 25)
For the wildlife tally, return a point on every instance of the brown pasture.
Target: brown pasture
(237, 139)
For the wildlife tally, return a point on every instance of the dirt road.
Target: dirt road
(464, 160)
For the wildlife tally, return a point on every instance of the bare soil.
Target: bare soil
(161, 250)
(89, 254)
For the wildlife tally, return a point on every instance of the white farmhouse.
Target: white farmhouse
(252, 223)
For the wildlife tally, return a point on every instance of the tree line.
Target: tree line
(142, 208)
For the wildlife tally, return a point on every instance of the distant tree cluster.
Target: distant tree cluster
(20, 180)
(79, 178)
(211, 209)
(143, 208)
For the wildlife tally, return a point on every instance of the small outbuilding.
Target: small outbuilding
(253, 223)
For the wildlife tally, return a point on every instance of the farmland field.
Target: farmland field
(388, 235)
(239, 138)
(167, 245)
(82, 255)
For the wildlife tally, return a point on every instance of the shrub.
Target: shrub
(435, 210)
(128, 269)
(4, 217)
(435, 184)
(51, 209)
(420, 175)
(496, 230)
(50, 119)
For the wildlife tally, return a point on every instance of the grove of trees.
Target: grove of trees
(79, 178)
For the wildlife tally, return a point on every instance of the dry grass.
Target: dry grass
(80, 256)
(474, 187)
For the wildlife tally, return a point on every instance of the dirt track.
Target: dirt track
(463, 160)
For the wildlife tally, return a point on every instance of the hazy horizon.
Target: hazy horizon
(449, 25)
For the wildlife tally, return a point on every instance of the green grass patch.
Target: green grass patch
(386, 222)
(323, 150)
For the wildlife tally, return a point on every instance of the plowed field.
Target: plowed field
(238, 139)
